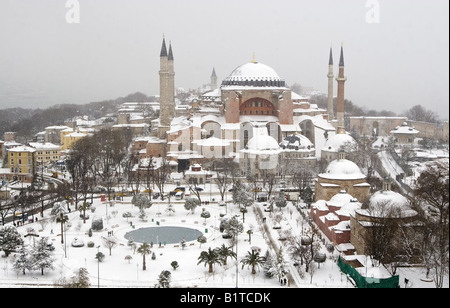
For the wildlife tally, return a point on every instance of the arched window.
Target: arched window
(257, 106)
(245, 138)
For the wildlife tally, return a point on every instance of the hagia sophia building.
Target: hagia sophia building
(255, 119)
(252, 117)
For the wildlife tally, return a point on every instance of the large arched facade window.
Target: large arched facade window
(257, 106)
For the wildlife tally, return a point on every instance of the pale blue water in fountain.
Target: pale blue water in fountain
(167, 235)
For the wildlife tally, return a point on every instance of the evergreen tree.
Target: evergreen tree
(80, 279)
(190, 204)
(22, 263)
(270, 268)
(10, 239)
(41, 257)
(164, 279)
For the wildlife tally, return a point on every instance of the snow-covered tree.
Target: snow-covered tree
(10, 239)
(170, 210)
(190, 204)
(242, 196)
(280, 201)
(201, 239)
(225, 252)
(23, 262)
(80, 279)
(141, 201)
(97, 224)
(58, 208)
(164, 279)
(431, 194)
(209, 258)
(280, 265)
(234, 227)
(41, 257)
(270, 266)
(205, 215)
(253, 260)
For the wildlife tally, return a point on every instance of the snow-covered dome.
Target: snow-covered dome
(254, 74)
(342, 169)
(388, 203)
(335, 142)
(341, 198)
(262, 143)
(297, 142)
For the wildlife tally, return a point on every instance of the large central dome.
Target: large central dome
(254, 74)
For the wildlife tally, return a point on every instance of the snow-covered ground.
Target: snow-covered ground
(116, 271)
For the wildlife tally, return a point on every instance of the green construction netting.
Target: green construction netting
(367, 282)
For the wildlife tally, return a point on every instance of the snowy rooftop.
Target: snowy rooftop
(22, 149)
(44, 146)
(405, 129)
(387, 203)
(342, 169)
(254, 75)
(335, 142)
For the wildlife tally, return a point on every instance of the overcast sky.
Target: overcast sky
(396, 51)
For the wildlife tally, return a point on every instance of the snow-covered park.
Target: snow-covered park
(123, 265)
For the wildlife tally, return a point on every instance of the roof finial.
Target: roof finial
(254, 58)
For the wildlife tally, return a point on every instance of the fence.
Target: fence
(367, 282)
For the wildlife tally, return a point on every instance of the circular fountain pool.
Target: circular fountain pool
(168, 235)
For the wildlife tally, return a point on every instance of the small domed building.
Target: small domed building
(341, 174)
(261, 154)
(297, 149)
(336, 143)
(385, 207)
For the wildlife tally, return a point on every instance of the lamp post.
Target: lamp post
(237, 263)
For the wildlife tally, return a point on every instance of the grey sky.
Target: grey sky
(395, 64)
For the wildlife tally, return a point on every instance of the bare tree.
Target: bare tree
(419, 113)
(225, 168)
(110, 242)
(161, 175)
(431, 194)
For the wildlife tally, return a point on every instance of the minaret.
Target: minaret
(171, 83)
(213, 80)
(330, 87)
(164, 92)
(341, 79)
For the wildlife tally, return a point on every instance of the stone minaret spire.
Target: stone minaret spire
(341, 79)
(213, 80)
(171, 83)
(164, 90)
(330, 87)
